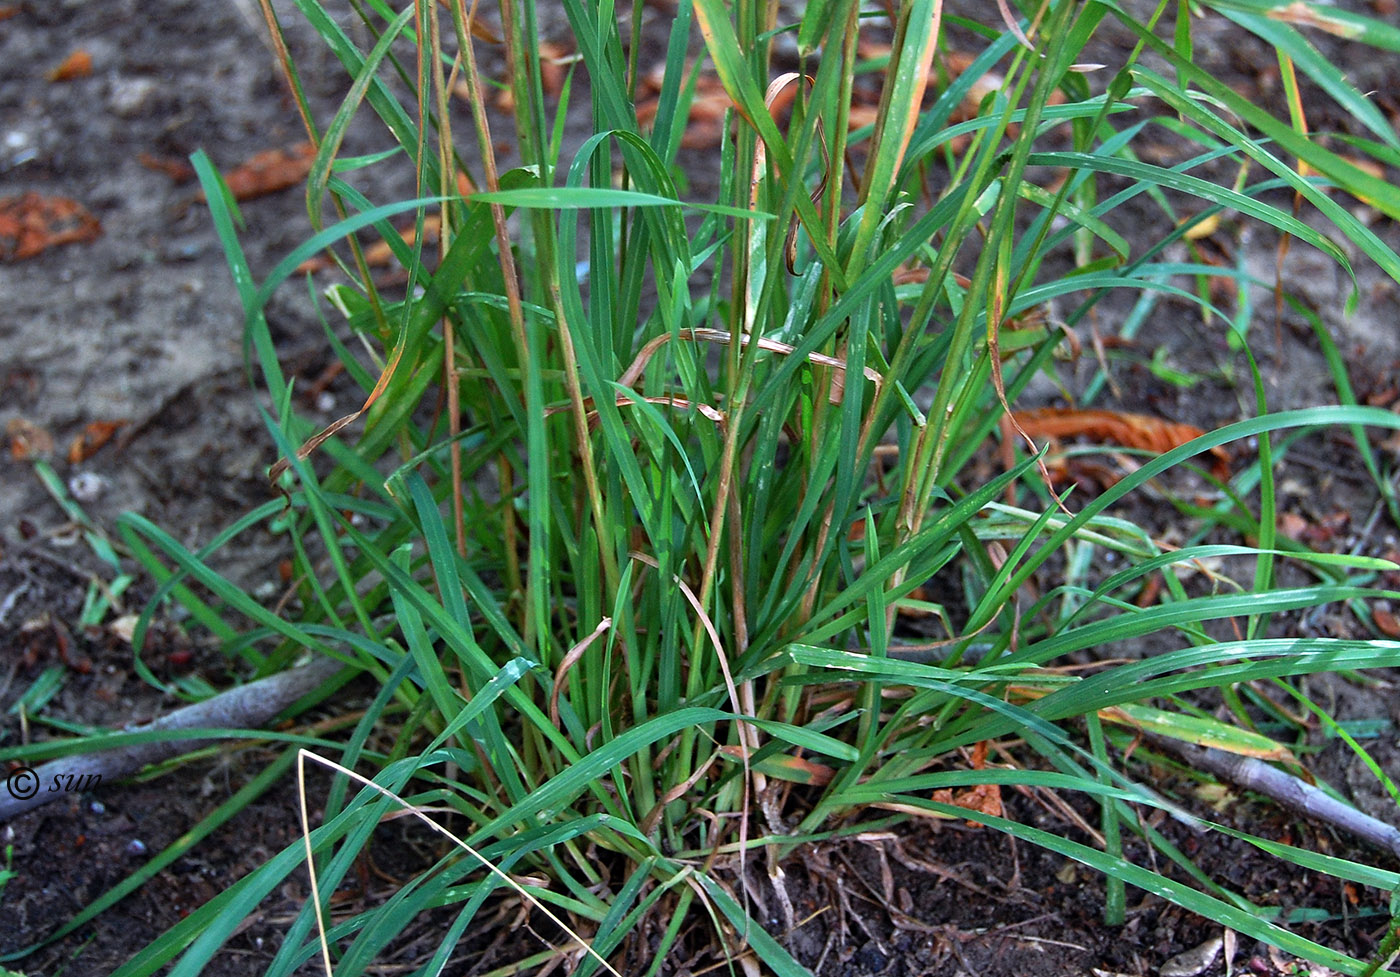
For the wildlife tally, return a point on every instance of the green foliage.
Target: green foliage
(649, 557)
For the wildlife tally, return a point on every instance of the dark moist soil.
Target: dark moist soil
(143, 326)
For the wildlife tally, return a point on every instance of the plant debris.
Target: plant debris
(76, 65)
(270, 171)
(28, 441)
(33, 223)
(1127, 430)
(92, 438)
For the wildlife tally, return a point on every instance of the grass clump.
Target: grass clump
(644, 483)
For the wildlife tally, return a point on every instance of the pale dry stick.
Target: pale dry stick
(561, 674)
(1256, 775)
(245, 707)
(303, 755)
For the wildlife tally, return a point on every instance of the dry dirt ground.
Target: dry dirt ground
(142, 326)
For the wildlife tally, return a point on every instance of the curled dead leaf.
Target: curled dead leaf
(1140, 431)
(1386, 621)
(705, 124)
(984, 798)
(28, 440)
(34, 223)
(76, 65)
(179, 170)
(92, 438)
(270, 171)
(380, 254)
(554, 61)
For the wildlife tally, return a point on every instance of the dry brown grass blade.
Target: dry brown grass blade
(1012, 25)
(626, 400)
(777, 97)
(304, 452)
(674, 794)
(561, 674)
(478, 30)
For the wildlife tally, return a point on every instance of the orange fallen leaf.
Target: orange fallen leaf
(1291, 525)
(28, 440)
(1139, 431)
(94, 436)
(1386, 622)
(553, 58)
(270, 171)
(985, 798)
(76, 65)
(705, 124)
(179, 170)
(34, 223)
(8, 10)
(379, 254)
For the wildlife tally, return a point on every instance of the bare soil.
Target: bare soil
(143, 326)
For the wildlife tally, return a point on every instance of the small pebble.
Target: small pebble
(87, 486)
(136, 847)
(325, 402)
(1193, 962)
(130, 96)
(97, 807)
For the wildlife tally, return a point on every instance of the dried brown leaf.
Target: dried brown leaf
(76, 65)
(270, 171)
(380, 254)
(1139, 431)
(28, 440)
(985, 798)
(554, 59)
(1386, 622)
(179, 170)
(34, 223)
(91, 440)
(705, 124)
